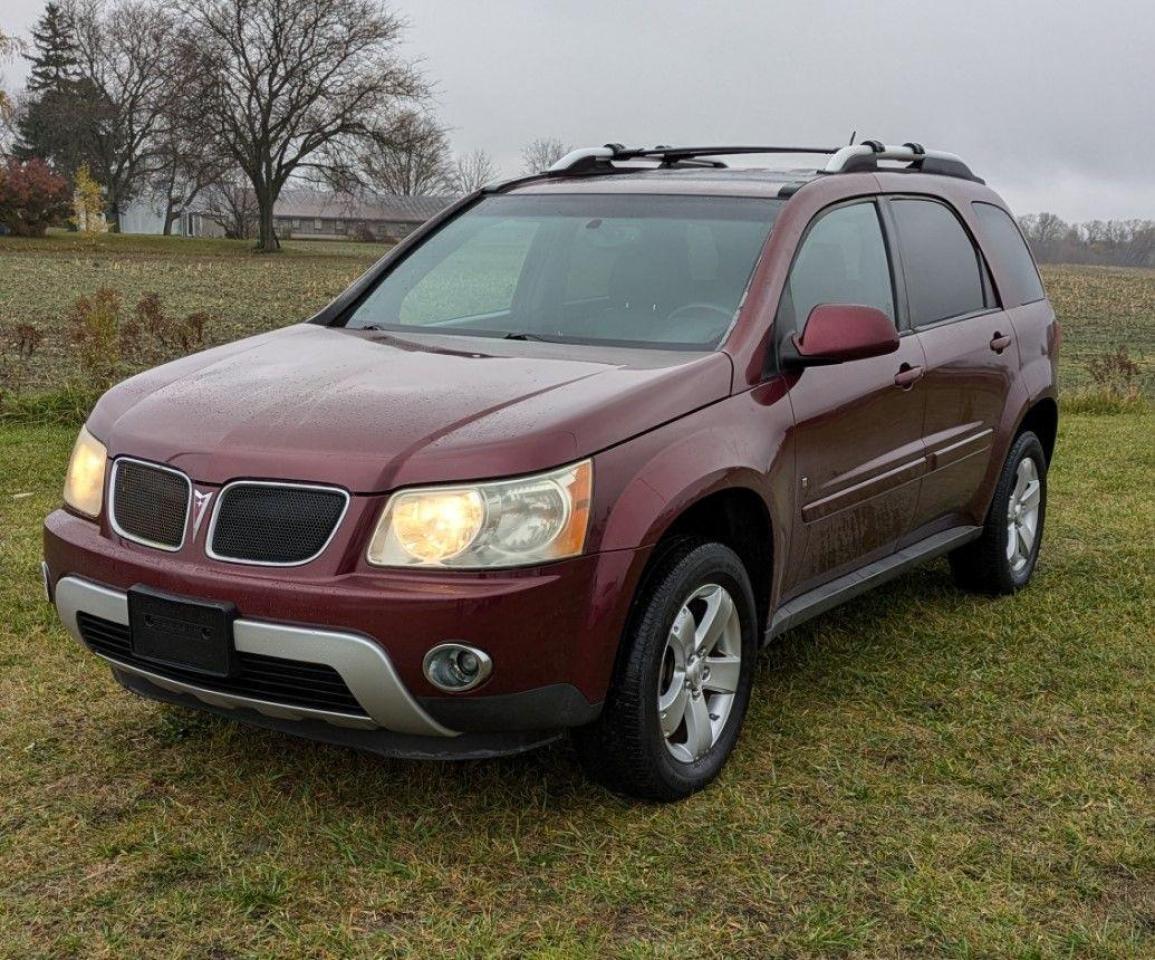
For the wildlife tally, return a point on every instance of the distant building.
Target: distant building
(314, 215)
(147, 216)
(300, 215)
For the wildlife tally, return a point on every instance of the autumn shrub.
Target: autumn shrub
(1115, 386)
(96, 335)
(32, 197)
(107, 343)
(153, 336)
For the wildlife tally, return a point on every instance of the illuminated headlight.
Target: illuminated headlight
(505, 523)
(84, 484)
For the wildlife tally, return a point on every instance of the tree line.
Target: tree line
(227, 102)
(1118, 243)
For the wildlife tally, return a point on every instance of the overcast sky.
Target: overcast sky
(1052, 101)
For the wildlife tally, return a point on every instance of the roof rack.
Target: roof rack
(850, 159)
(865, 156)
(587, 158)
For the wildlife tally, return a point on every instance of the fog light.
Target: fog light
(454, 667)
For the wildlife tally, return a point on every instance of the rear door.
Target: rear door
(971, 357)
(858, 431)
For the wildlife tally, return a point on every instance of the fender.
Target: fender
(744, 442)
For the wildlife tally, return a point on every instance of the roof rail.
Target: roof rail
(865, 156)
(586, 158)
(850, 159)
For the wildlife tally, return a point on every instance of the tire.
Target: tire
(626, 749)
(993, 564)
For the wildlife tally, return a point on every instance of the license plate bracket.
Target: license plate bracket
(176, 631)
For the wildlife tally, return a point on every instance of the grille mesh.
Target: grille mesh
(280, 524)
(149, 503)
(274, 679)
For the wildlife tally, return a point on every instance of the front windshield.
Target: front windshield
(656, 271)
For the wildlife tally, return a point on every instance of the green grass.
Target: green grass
(923, 774)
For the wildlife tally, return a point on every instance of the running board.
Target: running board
(830, 595)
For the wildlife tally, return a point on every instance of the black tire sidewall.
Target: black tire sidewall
(1026, 445)
(701, 564)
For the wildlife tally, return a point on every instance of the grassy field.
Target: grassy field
(242, 291)
(923, 773)
(1101, 308)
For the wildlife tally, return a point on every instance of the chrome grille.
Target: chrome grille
(149, 503)
(274, 524)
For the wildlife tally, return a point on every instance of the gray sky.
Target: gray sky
(1052, 101)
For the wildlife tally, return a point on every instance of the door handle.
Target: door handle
(999, 343)
(907, 376)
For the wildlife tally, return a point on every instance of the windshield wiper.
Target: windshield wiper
(530, 336)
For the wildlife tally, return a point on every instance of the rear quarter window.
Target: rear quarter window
(1005, 245)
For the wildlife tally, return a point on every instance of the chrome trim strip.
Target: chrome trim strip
(280, 484)
(167, 548)
(362, 664)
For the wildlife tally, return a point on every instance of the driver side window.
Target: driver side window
(843, 259)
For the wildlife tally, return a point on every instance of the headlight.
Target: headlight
(506, 523)
(84, 484)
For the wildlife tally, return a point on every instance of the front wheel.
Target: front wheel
(1004, 557)
(682, 681)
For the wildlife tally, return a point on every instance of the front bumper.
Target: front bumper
(362, 664)
(552, 634)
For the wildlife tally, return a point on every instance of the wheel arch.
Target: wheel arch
(736, 516)
(1042, 419)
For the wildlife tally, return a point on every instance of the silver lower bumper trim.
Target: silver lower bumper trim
(363, 665)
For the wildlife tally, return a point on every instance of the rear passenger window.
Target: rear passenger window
(842, 260)
(1004, 241)
(944, 272)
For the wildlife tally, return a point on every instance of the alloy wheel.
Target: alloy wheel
(701, 667)
(1023, 514)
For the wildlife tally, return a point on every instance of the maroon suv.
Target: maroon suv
(570, 454)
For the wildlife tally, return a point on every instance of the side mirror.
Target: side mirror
(837, 332)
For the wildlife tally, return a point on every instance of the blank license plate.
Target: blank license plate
(176, 632)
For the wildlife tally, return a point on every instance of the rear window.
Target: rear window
(944, 272)
(1005, 243)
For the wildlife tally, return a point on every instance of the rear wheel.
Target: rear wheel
(1004, 557)
(682, 681)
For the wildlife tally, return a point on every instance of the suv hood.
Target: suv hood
(372, 411)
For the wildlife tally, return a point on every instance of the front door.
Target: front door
(858, 425)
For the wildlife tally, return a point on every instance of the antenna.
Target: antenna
(853, 134)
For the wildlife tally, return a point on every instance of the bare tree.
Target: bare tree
(1046, 233)
(542, 153)
(125, 57)
(472, 171)
(232, 205)
(1122, 243)
(187, 162)
(291, 87)
(185, 167)
(408, 157)
(9, 47)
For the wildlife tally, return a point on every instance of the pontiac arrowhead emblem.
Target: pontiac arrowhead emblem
(201, 501)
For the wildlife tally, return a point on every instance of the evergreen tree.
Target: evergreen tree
(56, 60)
(56, 123)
